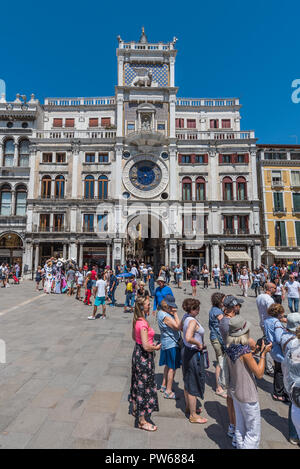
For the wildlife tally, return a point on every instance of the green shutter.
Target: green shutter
(297, 229)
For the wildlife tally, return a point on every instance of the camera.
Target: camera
(259, 343)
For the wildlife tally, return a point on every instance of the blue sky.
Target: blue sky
(225, 49)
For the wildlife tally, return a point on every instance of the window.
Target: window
(46, 187)
(296, 202)
(130, 126)
(186, 189)
(70, 122)
(295, 156)
(161, 126)
(243, 224)
(44, 222)
(179, 123)
(57, 122)
(276, 178)
(186, 159)
(93, 122)
(90, 158)
(103, 187)
(88, 222)
(89, 187)
(200, 188)
(21, 196)
(227, 188)
(275, 156)
(228, 224)
(24, 153)
(278, 201)
(280, 235)
(200, 159)
(102, 223)
(6, 200)
(60, 157)
(59, 187)
(9, 150)
(241, 159)
(227, 159)
(297, 229)
(105, 122)
(191, 123)
(241, 188)
(58, 222)
(226, 124)
(103, 157)
(214, 123)
(47, 158)
(295, 178)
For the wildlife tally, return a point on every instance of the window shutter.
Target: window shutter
(179, 158)
(193, 158)
(220, 158)
(206, 158)
(177, 123)
(70, 122)
(217, 123)
(234, 158)
(105, 121)
(57, 122)
(93, 122)
(246, 158)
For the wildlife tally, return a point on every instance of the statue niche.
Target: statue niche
(143, 77)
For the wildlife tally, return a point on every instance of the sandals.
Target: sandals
(148, 427)
(279, 398)
(169, 396)
(191, 420)
(163, 389)
(222, 394)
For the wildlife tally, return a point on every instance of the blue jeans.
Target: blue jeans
(217, 282)
(226, 280)
(111, 295)
(293, 303)
(292, 430)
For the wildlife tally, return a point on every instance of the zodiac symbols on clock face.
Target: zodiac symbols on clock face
(145, 175)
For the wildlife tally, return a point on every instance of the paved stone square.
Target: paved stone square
(66, 380)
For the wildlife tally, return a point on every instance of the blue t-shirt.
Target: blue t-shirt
(160, 294)
(213, 324)
(273, 331)
(169, 338)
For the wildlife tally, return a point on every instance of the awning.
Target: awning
(237, 256)
(284, 254)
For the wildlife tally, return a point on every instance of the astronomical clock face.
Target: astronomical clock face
(145, 176)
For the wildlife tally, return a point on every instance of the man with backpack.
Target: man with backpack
(113, 283)
(130, 291)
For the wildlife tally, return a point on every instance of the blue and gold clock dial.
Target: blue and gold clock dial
(145, 175)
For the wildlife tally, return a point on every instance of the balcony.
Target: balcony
(102, 134)
(88, 229)
(12, 220)
(99, 101)
(289, 243)
(277, 184)
(296, 212)
(229, 231)
(279, 211)
(192, 134)
(51, 229)
(295, 186)
(207, 102)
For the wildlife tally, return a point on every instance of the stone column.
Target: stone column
(215, 254)
(207, 260)
(36, 256)
(73, 250)
(180, 254)
(123, 252)
(222, 256)
(65, 247)
(166, 252)
(173, 253)
(16, 154)
(257, 255)
(108, 254)
(116, 258)
(13, 202)
(80, 262)
(27, 260)
(1, 154)
(250, 255)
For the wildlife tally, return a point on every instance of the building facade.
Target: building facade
(279, 188)
(142, 173)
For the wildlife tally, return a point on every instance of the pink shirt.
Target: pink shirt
(142, 324)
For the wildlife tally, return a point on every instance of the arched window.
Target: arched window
(59, 187)
(241, 188)
(21, 196)
(103, 187)
(186, 189)
(200, 189)
(24, 153)
(9, 150)
(46, 187)
(227, 188)
(89, 187)
(5, 205)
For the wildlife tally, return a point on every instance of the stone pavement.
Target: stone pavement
(66, 380)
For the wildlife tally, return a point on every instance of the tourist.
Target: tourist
(168, 275)
(215, 316)
(38, 277)
(273, 331)
(242, 369)
(94, 275)
(141, 291)
(162, 273)
(99, 291)
(192, 359)
(205, 275)
(194, 278)
(216, 276)
(178, 271)
(293, 288)
(291, 377)
(70, 277)
(79, 283)
(144, 272)
(226, 275)
(113, 283)
(169, 325)
(289, 340)
(151, 283)
(263, 302)
(279, 294)
(256, 282)
(244, 282)
(143, 393)
(88, 289)
(130, 291)
(160, 293)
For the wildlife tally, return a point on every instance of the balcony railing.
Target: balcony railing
(233, 231)
(88, 229)
(80, 101)
(279, 211)
(51, 229)
(192, 102)
(74, 134)
(296, 212)
(213, 135)
(277, 184)
(12, 220)
(288, 243)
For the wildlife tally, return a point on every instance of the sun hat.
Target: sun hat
(293, 321)
(161, 279)
(142, 283)
(230, 301)
(238, 326)
(170, 300)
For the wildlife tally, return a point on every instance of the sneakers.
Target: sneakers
(231, 430)
(91, 318)
(234, 443)
(103, 317)
(294, 441)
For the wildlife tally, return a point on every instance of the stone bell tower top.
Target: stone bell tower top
(143, 38)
